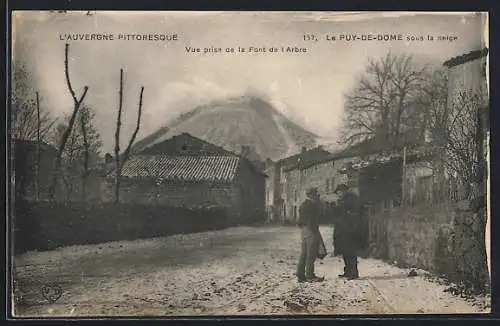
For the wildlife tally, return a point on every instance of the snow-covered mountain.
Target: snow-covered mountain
(240, 121)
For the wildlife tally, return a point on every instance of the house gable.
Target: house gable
(184, 144)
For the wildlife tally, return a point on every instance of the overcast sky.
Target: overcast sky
(307, 87)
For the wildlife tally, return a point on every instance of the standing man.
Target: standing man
(308, 222)
(334, 217)
(349, 235)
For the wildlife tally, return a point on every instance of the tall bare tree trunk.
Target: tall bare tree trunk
(83, 125)
(37, 180)
(67, 132)
(126, 154)
(117, 140)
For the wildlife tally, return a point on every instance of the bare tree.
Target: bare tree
(383, 100)
(29, 121)
(82, 150)
(67, 132)
(38, 140)
(121, 161)
(462, 139)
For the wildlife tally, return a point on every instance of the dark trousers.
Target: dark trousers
(308, 253)
(351, 265)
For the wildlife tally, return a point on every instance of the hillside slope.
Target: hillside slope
(236, 122)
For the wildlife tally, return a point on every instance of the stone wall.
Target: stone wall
(46, 225)
(413, 235)
(444, 239)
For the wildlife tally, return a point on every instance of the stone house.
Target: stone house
(309, 168)
(366, 167)
(401, 167)
(468, 73)
(193, 173)
(68, 188)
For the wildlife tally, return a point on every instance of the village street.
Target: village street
(237, 271)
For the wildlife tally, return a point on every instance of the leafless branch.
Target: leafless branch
(138, 125)
(121, 162)
(68, 130)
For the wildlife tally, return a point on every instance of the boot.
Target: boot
(354, 274)
(315, 279)
(301, 278)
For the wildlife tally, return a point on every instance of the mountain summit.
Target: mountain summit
(235, 123)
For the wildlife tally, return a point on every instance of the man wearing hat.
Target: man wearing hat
(308, 222)
(348, 235)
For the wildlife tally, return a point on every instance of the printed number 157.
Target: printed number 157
(310, 37)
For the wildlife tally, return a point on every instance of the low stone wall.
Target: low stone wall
(443, 239)
(46, 225)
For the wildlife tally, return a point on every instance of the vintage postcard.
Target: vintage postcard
(249, 163)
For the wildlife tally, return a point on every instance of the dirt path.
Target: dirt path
(241, 270)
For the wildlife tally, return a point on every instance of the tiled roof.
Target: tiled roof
(182, 168)
(305, 159)
(379, 145)
(473, 55)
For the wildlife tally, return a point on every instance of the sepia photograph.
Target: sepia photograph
(230, 163)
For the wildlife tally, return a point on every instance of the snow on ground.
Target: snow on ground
(237, 271)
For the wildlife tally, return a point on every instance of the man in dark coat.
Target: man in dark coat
(309, 213)
(334, 217)
(349, 235)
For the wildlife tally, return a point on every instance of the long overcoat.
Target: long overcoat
(350, 231)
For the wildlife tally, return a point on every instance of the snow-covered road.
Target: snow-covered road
(243, 270)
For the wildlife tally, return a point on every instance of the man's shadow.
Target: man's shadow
(385, 277)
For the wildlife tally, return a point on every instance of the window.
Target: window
(332, 185)
(327, 188)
